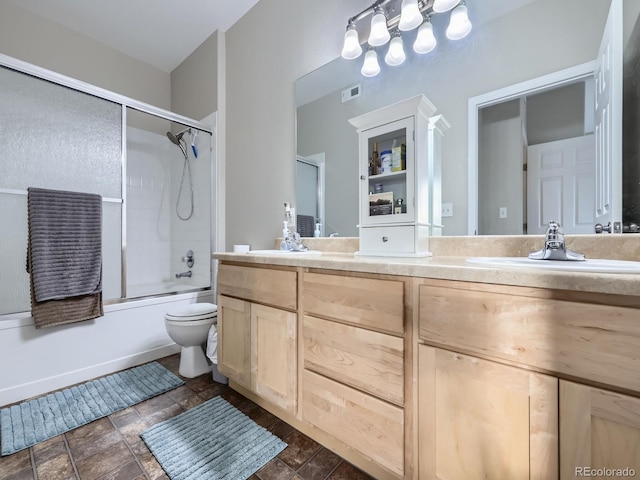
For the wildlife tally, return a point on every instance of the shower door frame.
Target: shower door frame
(124, 102)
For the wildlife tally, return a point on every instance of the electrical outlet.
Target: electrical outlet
(447, 210)
(503, 212)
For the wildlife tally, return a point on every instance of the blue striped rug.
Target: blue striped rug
(214, 441)
(36, 420)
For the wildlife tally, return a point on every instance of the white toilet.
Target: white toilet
(189, 326)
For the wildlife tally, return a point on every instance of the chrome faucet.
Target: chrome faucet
(554, 247)
(293, 243)
(183, 274)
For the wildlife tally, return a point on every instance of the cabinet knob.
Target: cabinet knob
(385, 239)
(362, 177)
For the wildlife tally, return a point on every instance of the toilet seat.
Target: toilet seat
(192, 312)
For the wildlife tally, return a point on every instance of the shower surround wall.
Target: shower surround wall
(39, 149)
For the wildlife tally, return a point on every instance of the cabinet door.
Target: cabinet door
(598, 430)
(274, 355)
(478, 419)
(380, 191)
(234, 339)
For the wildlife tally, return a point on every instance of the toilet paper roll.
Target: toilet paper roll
(241, 248)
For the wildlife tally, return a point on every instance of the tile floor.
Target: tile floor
(111, 449)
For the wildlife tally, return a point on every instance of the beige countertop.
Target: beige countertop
(451, 267)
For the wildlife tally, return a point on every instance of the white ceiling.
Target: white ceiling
(161, 33)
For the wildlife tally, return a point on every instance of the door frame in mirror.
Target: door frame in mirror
(535, 85)
(318, 161)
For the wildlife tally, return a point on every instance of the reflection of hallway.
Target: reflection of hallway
(549, 122)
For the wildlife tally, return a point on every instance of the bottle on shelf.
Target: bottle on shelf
(375, 159)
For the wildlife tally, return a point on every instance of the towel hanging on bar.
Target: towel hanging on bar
(64, 256)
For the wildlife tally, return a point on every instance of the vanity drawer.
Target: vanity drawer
(582, 335)
(371, 426)
(368, 360)
(393, 240)
(273, 287)
(369, 302)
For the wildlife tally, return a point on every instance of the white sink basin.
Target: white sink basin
(594, 265)
(283, 252)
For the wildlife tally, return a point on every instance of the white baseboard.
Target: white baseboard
(31, 389)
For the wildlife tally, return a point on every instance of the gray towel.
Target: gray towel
(306, 225)
(64, 256)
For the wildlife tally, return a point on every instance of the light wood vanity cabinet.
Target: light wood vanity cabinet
(257, 342)
(520, 382)
(353, 358)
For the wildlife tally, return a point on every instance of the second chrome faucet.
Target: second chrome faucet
(554, 246)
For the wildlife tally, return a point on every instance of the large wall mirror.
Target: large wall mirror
(512, 42)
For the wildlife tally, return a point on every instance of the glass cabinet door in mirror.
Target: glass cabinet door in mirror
(507, 46)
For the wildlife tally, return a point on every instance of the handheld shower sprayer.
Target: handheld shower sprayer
(177, 140)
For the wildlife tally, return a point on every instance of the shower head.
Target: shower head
(176, 138)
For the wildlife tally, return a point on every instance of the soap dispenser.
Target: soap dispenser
(316, 232)
(285, 236)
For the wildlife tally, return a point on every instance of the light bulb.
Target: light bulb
(459, 25)
(379, 32)
(370, 67)
(395, 56)
(410, 16)
(351, 48)
(440, 6)
(425, 39)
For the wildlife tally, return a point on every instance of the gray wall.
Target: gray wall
(194, 83)
(31, 38)
(267, 50)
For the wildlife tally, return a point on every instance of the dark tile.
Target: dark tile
(192, 401)
(281, 429)
(151, 466)
(199, 384)
(275, 470)
(125, 417)
(154, 405)
(14, 463)
(51, 450)
(91, 438)
(131, 433)
(164, 414)
(299, 450)
(346, 471)
(104, 461)
(261, 416)
(180, 393)
(24, 474)
(320, 466)
(56, 468)
(214, 391)
(130, 471)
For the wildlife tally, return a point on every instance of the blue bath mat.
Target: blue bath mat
(36, 420)
(214, 441)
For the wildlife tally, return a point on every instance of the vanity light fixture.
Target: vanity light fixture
(412, 14)
(370, 67)
(425, 39)
(379, 31)
(459, 24)
(395, 55)
(351, 48)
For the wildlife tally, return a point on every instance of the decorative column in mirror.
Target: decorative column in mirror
(397, 180)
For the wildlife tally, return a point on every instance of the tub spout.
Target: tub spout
(183, 274)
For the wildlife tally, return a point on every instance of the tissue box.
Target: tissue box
(399, 158)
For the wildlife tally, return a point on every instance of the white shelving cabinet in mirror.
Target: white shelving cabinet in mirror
(399, 181)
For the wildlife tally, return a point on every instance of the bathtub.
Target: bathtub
(33, 361)
(160, 288)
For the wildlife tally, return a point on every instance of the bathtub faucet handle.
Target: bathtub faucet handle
(188, 258)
